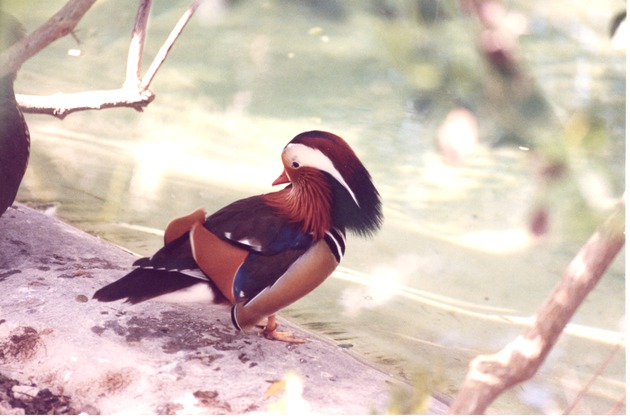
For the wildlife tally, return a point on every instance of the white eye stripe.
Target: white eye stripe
(307, 156)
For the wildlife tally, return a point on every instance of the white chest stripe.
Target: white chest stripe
(334, 241)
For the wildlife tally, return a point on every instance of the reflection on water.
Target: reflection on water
(455, 271)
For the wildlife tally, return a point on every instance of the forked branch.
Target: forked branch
(134, 92)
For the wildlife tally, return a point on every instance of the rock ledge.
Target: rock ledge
(151, 358)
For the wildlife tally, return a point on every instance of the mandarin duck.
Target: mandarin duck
(14, 135)
(264, 252)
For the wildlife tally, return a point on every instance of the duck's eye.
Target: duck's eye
(295, 164)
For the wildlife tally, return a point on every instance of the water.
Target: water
(454, 272)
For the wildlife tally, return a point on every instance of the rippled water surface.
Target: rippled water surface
(455, 271)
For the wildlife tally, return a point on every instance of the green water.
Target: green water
(454, 271)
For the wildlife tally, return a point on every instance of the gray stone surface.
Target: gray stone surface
(155, 357)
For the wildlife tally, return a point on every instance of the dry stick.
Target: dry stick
(61, 104)
(136, 46)
(168, 44)
(590, 383)
(490, 375)
(59, 25)
(133, 94)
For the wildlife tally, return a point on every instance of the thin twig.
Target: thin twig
(168, 44)
(596, 375)
(136, 46)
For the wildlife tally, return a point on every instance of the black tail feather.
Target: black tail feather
(143, 284)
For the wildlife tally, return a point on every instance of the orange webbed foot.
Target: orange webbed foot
(270, 332)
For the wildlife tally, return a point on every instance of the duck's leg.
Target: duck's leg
(270, 331)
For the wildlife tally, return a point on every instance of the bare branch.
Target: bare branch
(136, 46)
(61, 104)
(60, 25)
(168, 44)
(490, 375)
(134, 92)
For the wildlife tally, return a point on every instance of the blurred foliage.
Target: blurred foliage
(569, 147)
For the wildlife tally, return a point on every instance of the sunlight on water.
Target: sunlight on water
(387, 282)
